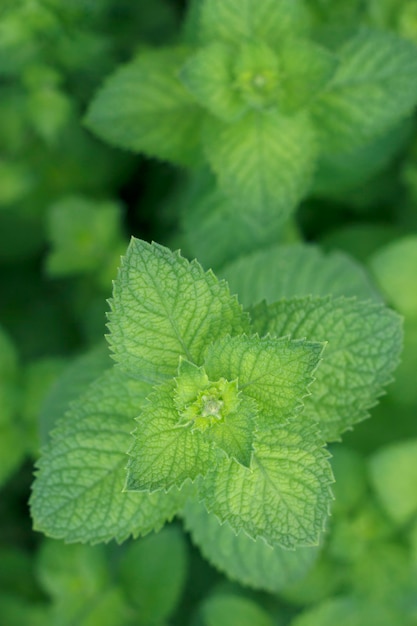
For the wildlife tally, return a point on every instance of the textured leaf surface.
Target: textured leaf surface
(364, 343)
(144, 107)
(209, 77)
(164, 307)
(252, 563)
(77, 493)
(284, 497)
(264, 160)
(274, 372)
(285, 271)
(235, 20)
(373, 88)
(393, 471)
(165, 453)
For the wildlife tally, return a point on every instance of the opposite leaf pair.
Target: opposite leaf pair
(218, 400)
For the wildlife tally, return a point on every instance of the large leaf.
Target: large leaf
(249, 562)
(373, 88)
(364, 344)
(164, 307)
(264, 161)
(284, 497)
(144, 107)
(78, 492)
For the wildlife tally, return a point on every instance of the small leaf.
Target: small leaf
(372, 89)
(164, 307)
(393, 471)
(165, 453)
(223, 609)
(264, 161)
(284, 497)
(236, 20)
(307, 68)
(77, 494)
(285, 271)
(251, 563)
(144, 107)
(349, 611)
(364, 344)
(209, 77)
(274, 372)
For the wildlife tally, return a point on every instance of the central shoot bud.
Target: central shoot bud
(200, 402)
(257, 75)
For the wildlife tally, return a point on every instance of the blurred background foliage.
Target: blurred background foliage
(69, 202)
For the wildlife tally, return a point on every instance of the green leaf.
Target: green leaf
(236, 20)
(285, 271)
(209, 77)
(165, 452)
(223, 609)
(77, 494)
(164, 307)
(349, 611)
(372, 89)
(144, 107)
(152, 572)
(395, 269)
(306, 68)
(264, 161)
(251, 563)
(284, 497)
(274, 372)
(393, 472)
(364, 344)
(82, 233)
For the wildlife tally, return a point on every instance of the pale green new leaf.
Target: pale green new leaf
(164, 307)
(364, 344)
(249, 562)
(165, 453)
(223, 609)
(209, 77)
(284, 497)
(236, 20)
(393, 472)
(349, 611)
(264, 161)
(285, 271)
(144, 107)
(372, 89)
(274, 372)
(78, 491)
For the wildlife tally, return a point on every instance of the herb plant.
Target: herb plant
(241, 447)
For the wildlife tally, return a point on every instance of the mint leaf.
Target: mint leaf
(393, 473)
(164, 307)
(209, 77)
(274, 372)
(306, 69)
(236, 20)
(285, 271)
(251, 563)
(77, 494)
(284, 496)
(152, 572)
(264, 160)
(348, 611)
(372, 89)
(223, 609)
(143, 107)
(166, 452)
(364, 343)
(395, 268)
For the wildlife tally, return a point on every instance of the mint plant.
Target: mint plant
(224, 406)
